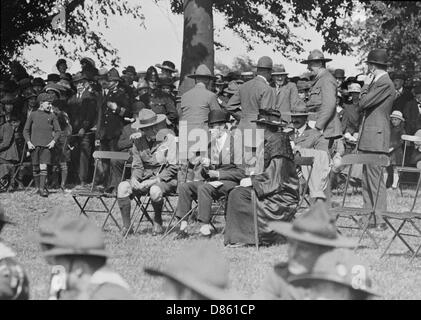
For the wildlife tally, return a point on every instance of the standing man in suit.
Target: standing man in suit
(322, 98)
(402, 95)
(286, 91)
(412, 112)
(377, 96)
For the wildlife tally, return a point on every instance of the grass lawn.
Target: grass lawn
(392, 276)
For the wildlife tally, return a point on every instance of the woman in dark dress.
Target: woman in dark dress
(272, 193)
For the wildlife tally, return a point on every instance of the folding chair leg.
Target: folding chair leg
(110, 214)
(365, 231)
(396, 232)
(178, 222)
(82, 208)
(415, 254)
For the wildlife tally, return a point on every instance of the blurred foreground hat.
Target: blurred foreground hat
(70, 235)
(303, 85)
(316, 55)
(315, 226)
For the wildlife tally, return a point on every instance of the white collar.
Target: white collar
(302, 129)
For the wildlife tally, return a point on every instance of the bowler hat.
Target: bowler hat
(265, 62)
(130, 69)
(113, 75)
(233, 87)
(53, 77)
(167, 65)
(148, 118)
(279, 70)
(298, 109)
(270, 117)
(398, 115)
(316, 55)
(201, 268)
(45, 97)
(339, 73)
(217, 116)
(70, 235)
(339, 266)
(316, 226)
(61, 61)
(79, 77)
(378, 56)
(202, 71)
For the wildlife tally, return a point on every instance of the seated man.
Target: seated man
(218, 178)
(271, 193)
(154, 169)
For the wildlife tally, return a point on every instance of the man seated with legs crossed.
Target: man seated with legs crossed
(154, 168)
(220, 175)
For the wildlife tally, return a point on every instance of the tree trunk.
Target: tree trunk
(198, 44)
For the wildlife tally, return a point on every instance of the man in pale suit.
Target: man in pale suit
(376, 101)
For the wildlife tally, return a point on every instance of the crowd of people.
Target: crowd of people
(255, 125)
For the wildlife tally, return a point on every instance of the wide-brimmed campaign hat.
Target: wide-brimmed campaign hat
(233, 87)
(339, 266)
(278, 70)
(79, 77)
(303, 85)
(202, 71)
(167, 65)
(398, 115)
(316, 55)
(217, 116)
(297, 110)
(316, 226)
(148, 118)
(201, 268)
(264, 62)
(65, 234)
(339, 73)
(270, 117)
(130, 69)
(378, 56)
(113, 75)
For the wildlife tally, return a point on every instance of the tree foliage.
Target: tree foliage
(28, 22)
(393, 25)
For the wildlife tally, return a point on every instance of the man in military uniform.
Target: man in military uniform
(376, 101)
(322, 99)
(75, 248)
(14, 284)
(83, 115)
(154, 169)
(309, 236)
(163, 103)
(113, 114)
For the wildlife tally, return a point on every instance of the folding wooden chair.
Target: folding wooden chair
(18, 167)
(304, 161)
(408, 139)
(93, 194)
(410, 217)
(353, 213)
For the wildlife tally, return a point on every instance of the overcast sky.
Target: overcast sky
(162, 40)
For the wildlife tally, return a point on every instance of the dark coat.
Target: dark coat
(82, 111)
(322, 100)
(377, 101)
(41, 127)
(402, 100)
(110, 123)
(162, 103)
(412, 115)
(396, 143)
(311, 139)
(350, 118)
(8, 149)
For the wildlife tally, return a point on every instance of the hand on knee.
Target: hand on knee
(43, 166)
(124, 189)
(155, 193)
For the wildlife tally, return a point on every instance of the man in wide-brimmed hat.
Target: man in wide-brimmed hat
(154, 169)
(338, 274)
(197, 272)
(168, 69)
(309, 236)
(14, 284)
(286, 91)
(82, 106)
(75, 248)
(216, 175)
(322, 98)
(376, 102)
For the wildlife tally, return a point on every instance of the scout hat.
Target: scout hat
(148, 118)
(79, 77)
(316, 226)
(167, 65)
(265, 62)
(130, 69)
(202, 71)
(113, 75)
(377, 56)
(279, 70)
(270, 117)
(354, 87)
(303, 85)
(70, 235)
(398, 115)
(217, 116)
(298, 109)
(232, 88)
(201, 268)
(102, 73)
(316, 55)
(340, 266)
(339, 73)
